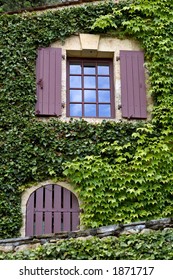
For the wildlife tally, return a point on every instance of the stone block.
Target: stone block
(84, 238)
(130, 231)
(137, 228)
(159, 224)
(89, 41)
(167, 228)
(146, 231)
(108, 229)
(6, 248)
(26, 247)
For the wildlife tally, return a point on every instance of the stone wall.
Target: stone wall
(23, 243)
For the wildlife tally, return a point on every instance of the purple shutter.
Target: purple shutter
(48, 79)
(133, 91)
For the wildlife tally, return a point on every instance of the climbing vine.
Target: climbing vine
(122, 171)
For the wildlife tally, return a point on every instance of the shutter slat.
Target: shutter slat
(48, 78)
(75, 220)
(38, 223)
(57, 198)
(30, 216)
(136, 83)
(39, 75)
(142, 87)
(133, 92)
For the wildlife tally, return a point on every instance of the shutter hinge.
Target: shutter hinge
(40, 83)
(63, 57)
(117, 58)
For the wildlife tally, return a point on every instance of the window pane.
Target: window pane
(89, 96)
(75, 96)
(75, 82)
(103, 82)
(104, 111)
(103, 70)
(104, 96)
(76, 110)
(75, 69)
(90, 110)
(89, 82)
(89, 68)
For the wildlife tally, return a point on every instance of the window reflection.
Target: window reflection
(103, 82)
(90, 110)
(75, 69)
(76, 110)
(75, 96)
(89, 69)
(75, 82)
(89, 96)
(103, 69)
(104, 96)
(104, 110)
(89, 82)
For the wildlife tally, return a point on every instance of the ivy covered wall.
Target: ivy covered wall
(121, 171)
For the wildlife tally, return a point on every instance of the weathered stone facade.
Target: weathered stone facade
(145, 227)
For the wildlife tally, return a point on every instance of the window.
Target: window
(90, 88)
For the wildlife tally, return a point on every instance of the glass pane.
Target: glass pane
(90, 110)
(103, 82)
(89, 68)
(103, 69)
(89, 96)
(89, 82)
(75, 96)
(75, 69)
(104, 111)
(75, 110)
(104, 96)
(75, 82)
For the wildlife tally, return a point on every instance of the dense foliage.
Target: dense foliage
(127, 166)
(150, 246)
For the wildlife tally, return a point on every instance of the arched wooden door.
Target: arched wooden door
(51, 209)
